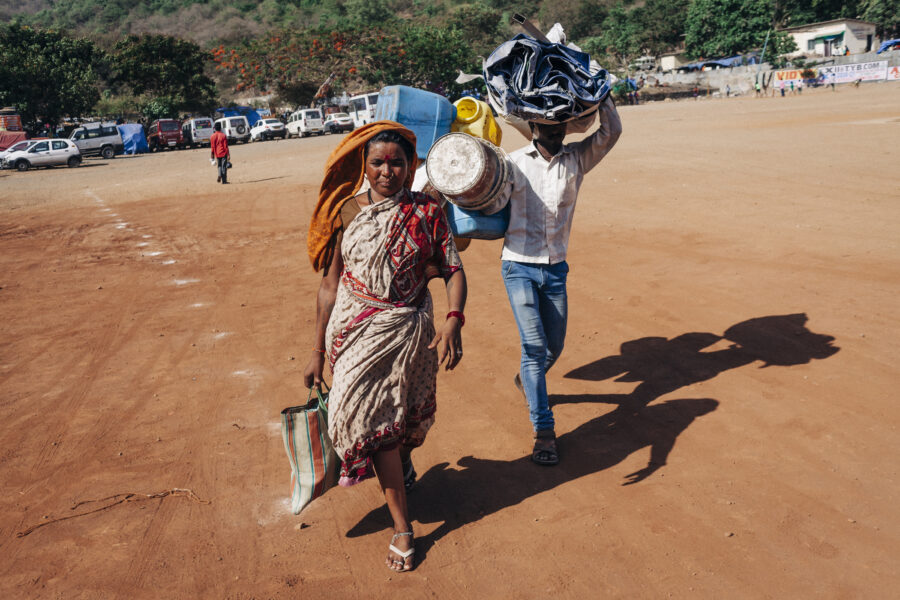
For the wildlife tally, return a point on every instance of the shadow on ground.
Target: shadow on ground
(481, 486)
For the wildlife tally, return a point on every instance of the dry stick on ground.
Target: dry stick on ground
(119, 499)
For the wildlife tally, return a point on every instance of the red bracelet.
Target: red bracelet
(317, 350)
(458, 315)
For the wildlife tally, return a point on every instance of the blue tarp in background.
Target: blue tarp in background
(133, 138)
(888, 44)
(733, 61)
(237, 111)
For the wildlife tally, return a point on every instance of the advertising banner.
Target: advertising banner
(870, 71)
(893, 74)
(789, 75)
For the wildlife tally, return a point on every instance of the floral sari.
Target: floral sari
(383, 391)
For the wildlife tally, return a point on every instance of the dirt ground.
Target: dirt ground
(726, 404)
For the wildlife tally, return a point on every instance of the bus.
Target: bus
(362, 108)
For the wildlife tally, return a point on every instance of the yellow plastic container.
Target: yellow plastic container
(475, 118)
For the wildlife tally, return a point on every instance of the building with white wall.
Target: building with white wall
(833, 38)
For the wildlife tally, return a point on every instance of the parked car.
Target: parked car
(196, 131)
(23, 145)
(266, 129)
(306, 121)
(236, 129)
(44, 153)
(164, 133)
(362, 108)
(336, 122)
(98, 138)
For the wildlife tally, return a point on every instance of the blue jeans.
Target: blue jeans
(537, 294)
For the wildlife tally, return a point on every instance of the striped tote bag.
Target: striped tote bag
(315, 465)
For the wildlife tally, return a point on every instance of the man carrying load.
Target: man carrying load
(547, 175)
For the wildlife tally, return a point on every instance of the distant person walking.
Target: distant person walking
(218, 150)
(831, 79)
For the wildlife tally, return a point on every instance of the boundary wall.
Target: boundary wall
(741, 80)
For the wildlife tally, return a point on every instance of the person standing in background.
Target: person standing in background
(218, 150)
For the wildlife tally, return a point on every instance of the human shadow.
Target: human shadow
(458, 496)
(663, 366)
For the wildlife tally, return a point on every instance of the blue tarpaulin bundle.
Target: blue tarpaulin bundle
(543, 82)
(133, 138)
(237, 111)
(888, 45)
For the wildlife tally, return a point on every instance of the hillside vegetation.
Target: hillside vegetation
(123, 54)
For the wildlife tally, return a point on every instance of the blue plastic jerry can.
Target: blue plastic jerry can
(475, 224)
(427, 114)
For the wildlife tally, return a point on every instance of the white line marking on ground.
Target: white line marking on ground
(146, 236)
(185, 281)
(222, 334)
(199, 304)
(155, 253)
(242, 373)
(142, 244)
(168, 262)
(121, 225)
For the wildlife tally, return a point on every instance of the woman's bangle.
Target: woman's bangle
(318, 350)
(458, 315)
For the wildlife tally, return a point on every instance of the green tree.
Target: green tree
(620, 41)
(715, 28)
(661, 24)
(47, 75)
(885, 14)
(166, 69)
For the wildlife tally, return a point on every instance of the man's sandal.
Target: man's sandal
(401, 553)
(545, 452)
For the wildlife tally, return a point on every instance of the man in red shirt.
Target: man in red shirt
(218, 149)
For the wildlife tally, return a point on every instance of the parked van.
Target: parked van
(644, 63)
(236, 129)
(197, 131)
(164, 133)
(98, 138)
(306, 121)
(362, 108)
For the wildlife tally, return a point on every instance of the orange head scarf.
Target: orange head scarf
(344, 174)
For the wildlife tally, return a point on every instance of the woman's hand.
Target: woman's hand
(312, 375)
(448, 342)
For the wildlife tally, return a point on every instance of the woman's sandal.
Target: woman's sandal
(403, 567)
(409, 474)
(545, 452)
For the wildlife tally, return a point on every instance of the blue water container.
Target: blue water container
(475, 224)
(429, 115)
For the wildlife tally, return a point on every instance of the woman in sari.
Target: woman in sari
(374, 321)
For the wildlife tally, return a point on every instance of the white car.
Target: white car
(236, 129)
(23, 145)
(266, 129)
(44, 153)
(338, 122)
(362, 108)
(196, 131)
(306, 121)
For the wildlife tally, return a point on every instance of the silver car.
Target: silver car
(44, 153)
(98, 138)
(23, 145)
